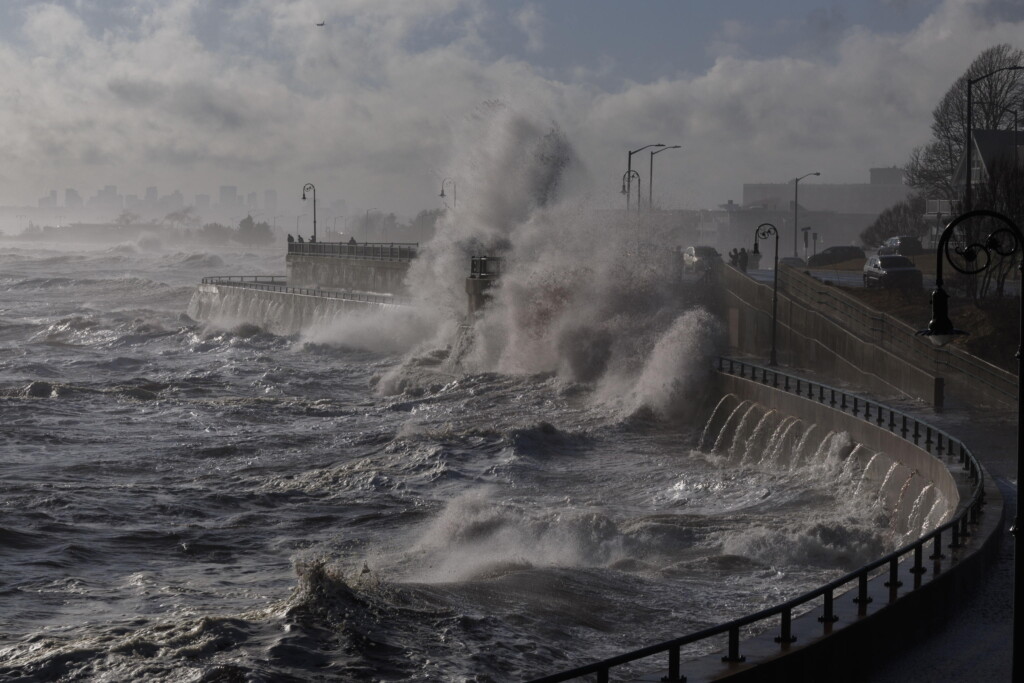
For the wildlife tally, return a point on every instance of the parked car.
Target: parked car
(904, 245)
(833, 255)
(892, 271)
(794, 261)
(701, 259)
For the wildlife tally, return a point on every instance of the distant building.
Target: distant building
(228, 196)
(72, 200)
(49, 201)
(836, 213)
(202, 201)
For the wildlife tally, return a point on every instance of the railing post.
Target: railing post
(828, 612)
(894, 575)
(786, 628)
(673, 666)
(862, 599)
(867, 411)
(918, 567)
(937, 550)
(734, 646)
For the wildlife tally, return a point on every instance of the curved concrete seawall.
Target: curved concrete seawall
(279, 311)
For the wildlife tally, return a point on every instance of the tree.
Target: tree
(931, 167)
(127, 218)
(425, 224)
(252, 233)
(186, 217)
(902, 218)
(214, 234)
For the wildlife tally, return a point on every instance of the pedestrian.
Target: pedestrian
(743, 260)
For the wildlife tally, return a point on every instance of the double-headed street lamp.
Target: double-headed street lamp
(971, 259)
(451, 182)
(796, 206)
(763, 232)
(650, 176)
(627, 178)
(969, 142)
(630, 172)
(309, 186)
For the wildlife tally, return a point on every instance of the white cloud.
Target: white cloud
(185, 95)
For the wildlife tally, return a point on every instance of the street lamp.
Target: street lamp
(974, 258)
(796, 205)
(969, 143)
(650, 176)
(629, 174)
(309, 186)
(626, 178)
(451, 182)
(763, 232)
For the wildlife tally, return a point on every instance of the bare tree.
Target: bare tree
(931, 167)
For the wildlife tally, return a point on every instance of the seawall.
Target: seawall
(282, 311)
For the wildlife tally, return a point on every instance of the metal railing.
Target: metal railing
(277, 283)
(935, 441)
(891, 334)
(376, 251)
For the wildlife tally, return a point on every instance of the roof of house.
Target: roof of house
(990, 147)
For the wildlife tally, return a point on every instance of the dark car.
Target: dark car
(833, 255)
(892, 271)
(904, 245)
(701, 259)
(793, 261)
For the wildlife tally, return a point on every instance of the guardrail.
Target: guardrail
(909, 428)
(891, 334)
(376, 251)
(276, 283)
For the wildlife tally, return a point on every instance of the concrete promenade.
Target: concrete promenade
(975, 645)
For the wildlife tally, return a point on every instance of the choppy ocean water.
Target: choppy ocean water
(186, 503)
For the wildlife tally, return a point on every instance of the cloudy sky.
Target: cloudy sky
(193, 94)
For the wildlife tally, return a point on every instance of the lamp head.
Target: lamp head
(755, 247)
(940, 328)
(303, 194)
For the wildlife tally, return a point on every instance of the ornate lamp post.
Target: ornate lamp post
(630, 172)
(626, 184)
(763, 232)
(969, 142)
(1005, 240)
(309, 186)
(650, 176)
(796, 205)
(451, 182)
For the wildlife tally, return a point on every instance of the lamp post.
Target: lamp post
(650, 176)
(629, 175)
(309, 186)
(974, 258)
(763, 232)
(626, 184)
(969, 142)
(451, 182)
(796, 206)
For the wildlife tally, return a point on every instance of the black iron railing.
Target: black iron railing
(926, 436)
(375, 251)
(277, 283)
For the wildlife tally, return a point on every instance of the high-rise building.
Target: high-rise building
(72, 200)
(151, 195)
(228, 196)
